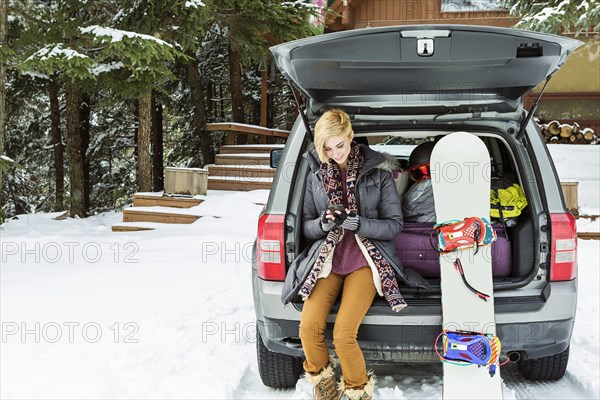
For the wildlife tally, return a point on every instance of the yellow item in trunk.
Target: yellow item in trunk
(512, 200)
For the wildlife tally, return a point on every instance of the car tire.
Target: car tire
(277, 370)
(549, 368)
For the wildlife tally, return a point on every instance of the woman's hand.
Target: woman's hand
(343, 217)
(352, 221)
(327, 219)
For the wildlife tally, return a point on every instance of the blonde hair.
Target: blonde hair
(332, 123)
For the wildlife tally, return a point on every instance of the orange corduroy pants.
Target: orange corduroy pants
(358, 291)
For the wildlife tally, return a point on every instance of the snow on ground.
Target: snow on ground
(580, 163)
(88, 313)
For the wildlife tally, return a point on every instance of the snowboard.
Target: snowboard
(460, 173)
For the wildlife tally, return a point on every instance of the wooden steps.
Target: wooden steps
(249, 148)
(152, 200)
(588, 235)
(237, 167)
(243, 159)
(235, 183)
(129, 228)
(242, 171)
(242, 167)
(142, 214)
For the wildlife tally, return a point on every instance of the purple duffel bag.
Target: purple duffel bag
(414, 248)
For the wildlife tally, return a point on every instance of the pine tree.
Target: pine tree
(183, 23)
(75, 80)
(136, 63)
(556, 16)
(251, 26)
(53, 46)
(3, 51)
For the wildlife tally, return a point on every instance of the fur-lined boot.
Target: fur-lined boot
(324, 384)
(366, 393)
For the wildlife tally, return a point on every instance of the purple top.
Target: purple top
(347, 256)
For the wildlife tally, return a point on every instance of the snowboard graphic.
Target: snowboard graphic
(460, 173)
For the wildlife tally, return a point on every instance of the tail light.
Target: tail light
(563, 264)
(270, 247)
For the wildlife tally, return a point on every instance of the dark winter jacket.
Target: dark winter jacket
(380, 215)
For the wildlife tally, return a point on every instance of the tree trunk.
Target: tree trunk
(236, 87)
(3, 24)
(210, 116)
(157, 145)
(195, 82)
(57, 146)
(144, 161)
(136, 111)
(84, 123)
(221, 102)
(74, 151)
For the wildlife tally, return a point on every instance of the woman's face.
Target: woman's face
(338, 149)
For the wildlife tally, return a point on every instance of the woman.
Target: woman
(352, 211)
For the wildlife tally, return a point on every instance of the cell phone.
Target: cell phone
(334, 207)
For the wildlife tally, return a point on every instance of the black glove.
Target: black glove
(326, 225)
(351, 222)
(339, 215)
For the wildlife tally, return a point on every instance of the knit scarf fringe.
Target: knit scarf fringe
(333, 187)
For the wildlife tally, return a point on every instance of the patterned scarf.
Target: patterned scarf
(333, 187)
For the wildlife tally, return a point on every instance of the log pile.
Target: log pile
(555, 132)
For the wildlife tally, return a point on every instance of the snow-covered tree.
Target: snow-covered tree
(556, 16)
(68, 73)
(250, 27)
(137, 63)
(3, 55)
(52, 46)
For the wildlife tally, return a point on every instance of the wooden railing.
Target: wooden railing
(233, 128)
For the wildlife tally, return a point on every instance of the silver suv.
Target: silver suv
(402, 85)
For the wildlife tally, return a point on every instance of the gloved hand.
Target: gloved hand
(352, 222)
(326, 223)
(331, 217)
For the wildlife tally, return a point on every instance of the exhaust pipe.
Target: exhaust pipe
(514, 356)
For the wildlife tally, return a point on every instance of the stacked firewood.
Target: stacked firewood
(555, 132)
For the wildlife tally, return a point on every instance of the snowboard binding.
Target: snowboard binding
(470, 232)
(470, 348)
(458, 235)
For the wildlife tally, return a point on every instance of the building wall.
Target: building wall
(581, 72)
(372, 13)
(573, 93)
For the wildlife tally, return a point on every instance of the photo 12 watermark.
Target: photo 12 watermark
(68, 252)
(69, 332)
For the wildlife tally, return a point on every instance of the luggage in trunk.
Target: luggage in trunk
(415, 248)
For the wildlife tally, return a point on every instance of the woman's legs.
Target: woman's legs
(357, 296)
(312, 322)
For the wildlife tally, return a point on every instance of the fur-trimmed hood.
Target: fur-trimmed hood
(390, 163)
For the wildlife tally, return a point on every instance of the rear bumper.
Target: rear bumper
(537, 325)
(414, 342)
